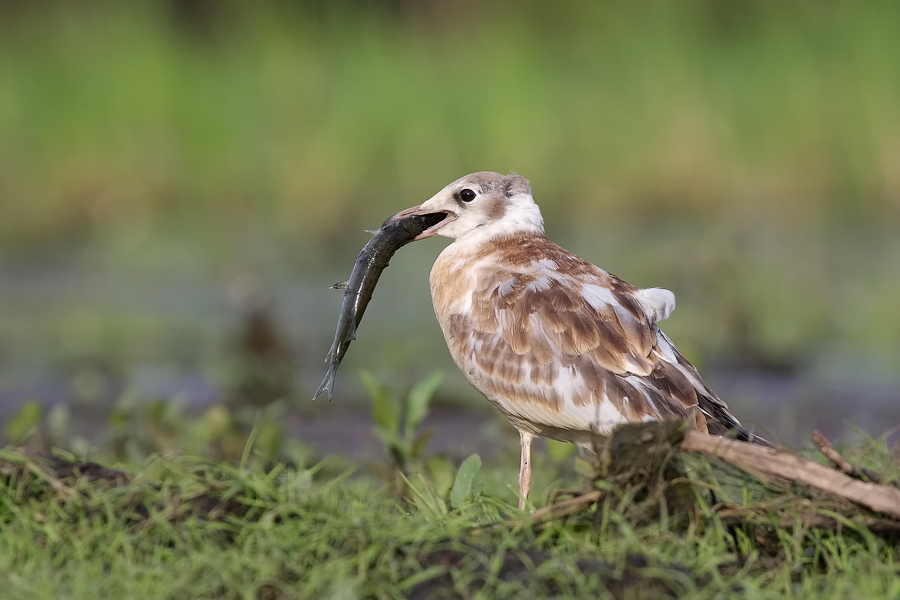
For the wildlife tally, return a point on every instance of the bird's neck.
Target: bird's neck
(497, 232)
(480, 243)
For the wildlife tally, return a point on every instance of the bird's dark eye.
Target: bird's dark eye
(467, 195)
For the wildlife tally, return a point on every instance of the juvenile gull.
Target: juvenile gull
(562, 348)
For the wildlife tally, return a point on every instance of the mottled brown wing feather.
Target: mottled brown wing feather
(528, 323)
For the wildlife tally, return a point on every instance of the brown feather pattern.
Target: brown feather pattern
(557, 343)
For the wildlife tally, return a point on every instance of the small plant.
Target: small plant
(397, 421)
(435, 486)
(428, 497)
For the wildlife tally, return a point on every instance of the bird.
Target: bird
(560, 347)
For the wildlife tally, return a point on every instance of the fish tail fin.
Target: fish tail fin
(327, 385)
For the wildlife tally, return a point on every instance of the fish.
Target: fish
(372, 260)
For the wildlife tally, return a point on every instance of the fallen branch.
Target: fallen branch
(781, 463)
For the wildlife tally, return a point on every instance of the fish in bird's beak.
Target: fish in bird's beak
(418, 210)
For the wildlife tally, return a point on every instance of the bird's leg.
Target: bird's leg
(525, 467)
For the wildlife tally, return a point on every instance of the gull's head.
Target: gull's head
(483, 204)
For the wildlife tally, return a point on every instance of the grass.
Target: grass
(301, 534)
(200, 528)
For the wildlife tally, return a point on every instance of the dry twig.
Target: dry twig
(567, 507)
(844, 465)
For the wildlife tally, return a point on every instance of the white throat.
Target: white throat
(522, 217)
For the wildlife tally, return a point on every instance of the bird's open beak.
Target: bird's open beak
(418, 210)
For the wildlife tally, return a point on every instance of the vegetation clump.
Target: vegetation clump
(654, 520)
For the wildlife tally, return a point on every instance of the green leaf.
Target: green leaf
(559, 451)
(419, 398)
(418, 445)
(23, 424)
(268, 440)
(386, 436)
(440, 469)
(465, 481)
(385, 407)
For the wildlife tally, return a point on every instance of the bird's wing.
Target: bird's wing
(657, 303)
(560, 341)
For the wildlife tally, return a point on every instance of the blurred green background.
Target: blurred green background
(180, 181)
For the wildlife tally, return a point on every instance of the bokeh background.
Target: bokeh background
(181, 181)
